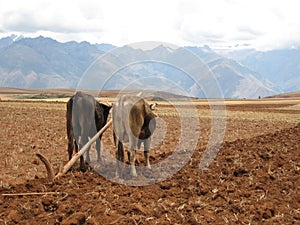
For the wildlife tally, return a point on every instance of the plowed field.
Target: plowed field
(254, 179)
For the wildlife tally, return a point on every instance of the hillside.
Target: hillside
(46, 63)
(64, 94)
(281, 66)
(287, 95)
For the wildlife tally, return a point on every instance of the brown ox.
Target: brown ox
(133, 121)
(85, 117)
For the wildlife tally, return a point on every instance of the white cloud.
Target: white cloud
(262, 23)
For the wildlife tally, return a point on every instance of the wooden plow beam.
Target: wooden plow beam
(49, 168)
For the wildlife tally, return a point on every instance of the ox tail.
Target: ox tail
(48, 166)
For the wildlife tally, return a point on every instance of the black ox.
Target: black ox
(85, 117)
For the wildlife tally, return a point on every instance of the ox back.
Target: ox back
(85, 117)
(133, 121)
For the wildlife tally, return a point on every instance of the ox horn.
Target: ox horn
(153, 106)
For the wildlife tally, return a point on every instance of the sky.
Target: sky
(260, 24)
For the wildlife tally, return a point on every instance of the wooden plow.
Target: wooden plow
(64, 169)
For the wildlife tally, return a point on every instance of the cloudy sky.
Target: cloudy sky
(262, 24)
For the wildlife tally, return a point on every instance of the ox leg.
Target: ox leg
(83, 141)
(120, 152)
(136, 159)
(82, 165)
(131, 151)
(120, 157)
(70, 148)
(146, 152)
(139, 147)
(98, 148)
(77, 146)
(88, 159)
(132, 162)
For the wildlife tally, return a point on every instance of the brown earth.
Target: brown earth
(254, 179)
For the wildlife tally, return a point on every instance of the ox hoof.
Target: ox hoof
(133, 173)
(99, 160)
(83, 169)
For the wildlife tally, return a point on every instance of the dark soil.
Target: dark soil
(254, 179)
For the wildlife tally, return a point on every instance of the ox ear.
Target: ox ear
(153, 106)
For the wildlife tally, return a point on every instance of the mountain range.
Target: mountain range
(281, 66)
(42, 62)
